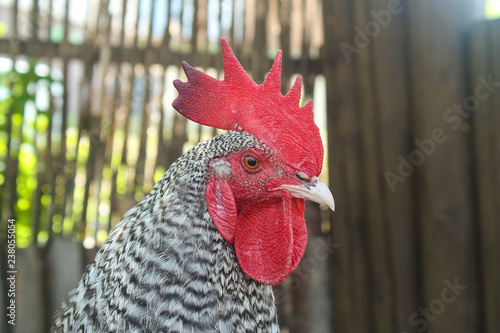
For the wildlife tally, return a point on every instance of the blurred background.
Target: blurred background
(407, 96)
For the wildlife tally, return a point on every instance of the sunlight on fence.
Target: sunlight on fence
(493, 9)
(89, 127)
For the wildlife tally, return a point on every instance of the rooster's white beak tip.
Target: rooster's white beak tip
(315, 190)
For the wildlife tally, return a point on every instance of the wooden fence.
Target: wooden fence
(89, 124)
(414, 160)
(413, 146)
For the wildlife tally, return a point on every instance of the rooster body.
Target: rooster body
(225, 222)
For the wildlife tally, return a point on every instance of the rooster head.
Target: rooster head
(256, 195)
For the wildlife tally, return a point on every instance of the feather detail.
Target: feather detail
(165, 267)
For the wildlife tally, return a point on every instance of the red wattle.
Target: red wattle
(271, 238)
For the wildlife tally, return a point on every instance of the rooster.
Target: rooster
(224, 223)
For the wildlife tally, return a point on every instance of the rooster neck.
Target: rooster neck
(167, 261)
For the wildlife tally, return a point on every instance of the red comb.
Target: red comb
(238, 103)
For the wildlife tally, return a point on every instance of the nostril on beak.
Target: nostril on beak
(302, 176)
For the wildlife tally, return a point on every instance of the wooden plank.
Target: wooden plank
(66, 170)
(308, 75)
(479, 65)
(259, 50)
(397, 227)
(493, 287)
(443, 174)
(102, 114)
(284, 12)
(231, 28)
(29, 299)
(484, 52)
(70, 167)
(157, 80)
(159, 105)
(4, 287)
(179, 138)
(34, 15)
(153, 5)
(309, 285)
(89, 176)
(131, 77)
(496, 109)
(59, 126)
(195, 27)
(13, 14)
(348, 221)
(50, 174)
(66, 21)
(94, 126)
(141, 159)
(83, 127)
(161, 157)
(62, 255)
(379, 280)
(202, 35)
(108, 127)
(306, 33)
(36, 199)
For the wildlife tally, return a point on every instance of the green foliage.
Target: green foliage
(22, 117)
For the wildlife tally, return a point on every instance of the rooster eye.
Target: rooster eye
(251, 163)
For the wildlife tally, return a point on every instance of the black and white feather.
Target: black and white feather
(166, 268)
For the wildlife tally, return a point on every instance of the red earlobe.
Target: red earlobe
(222, 207)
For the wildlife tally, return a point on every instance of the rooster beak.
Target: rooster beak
(315, 190)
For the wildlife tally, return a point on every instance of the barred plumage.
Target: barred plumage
(166, 268)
